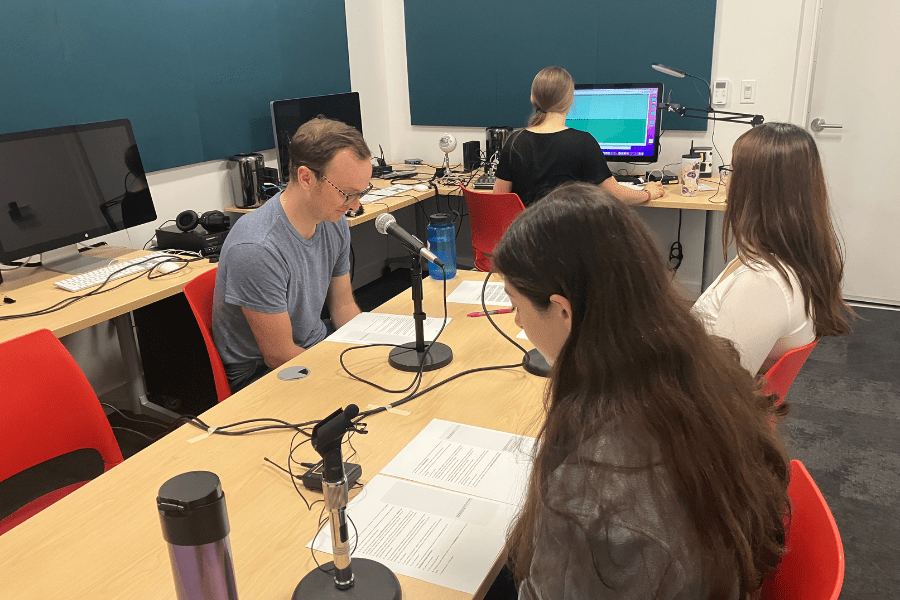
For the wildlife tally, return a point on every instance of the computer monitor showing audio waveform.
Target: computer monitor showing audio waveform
(622, 117)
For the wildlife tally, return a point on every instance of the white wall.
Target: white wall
(753, 40)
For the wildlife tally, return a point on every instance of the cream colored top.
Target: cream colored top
(759, 311)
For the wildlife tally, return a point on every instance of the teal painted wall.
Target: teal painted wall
(195, 77)
(471, 62)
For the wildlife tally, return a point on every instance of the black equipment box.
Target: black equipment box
(196, 240)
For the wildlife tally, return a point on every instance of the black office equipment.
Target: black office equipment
(196, 239)
(70, 184)
(471, 155)
(289, 115)
(312, 479)
(485, 182)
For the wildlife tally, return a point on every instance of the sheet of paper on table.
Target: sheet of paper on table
(378, 194)
(469, 292)
(481, 462)
(378, 328)
(435, 535)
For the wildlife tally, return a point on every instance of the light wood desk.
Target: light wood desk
(389, 204)
(33, 289)
(104, 541)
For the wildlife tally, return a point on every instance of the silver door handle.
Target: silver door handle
(818, 124)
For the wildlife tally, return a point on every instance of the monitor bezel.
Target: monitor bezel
(283, 150)
(7, 256)
(659, 96)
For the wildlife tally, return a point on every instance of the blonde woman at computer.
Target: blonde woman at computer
(655, 473)
(784, 288)
(546, 153)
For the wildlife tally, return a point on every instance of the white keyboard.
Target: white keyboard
(117, 270)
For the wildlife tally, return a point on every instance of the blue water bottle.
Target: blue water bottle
(442, 241)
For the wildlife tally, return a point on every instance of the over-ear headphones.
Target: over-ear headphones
(213, 220)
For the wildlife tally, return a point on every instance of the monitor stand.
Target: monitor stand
(70, 260)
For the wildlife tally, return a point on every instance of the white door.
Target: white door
(855, 85)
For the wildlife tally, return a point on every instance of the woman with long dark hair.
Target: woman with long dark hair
(655, 472)
(546, 153)
(784, 288)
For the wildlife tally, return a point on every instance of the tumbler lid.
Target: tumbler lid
(192, 509)
(440, 218)
(189, 491)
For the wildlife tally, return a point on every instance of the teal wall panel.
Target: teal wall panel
(195, 78)
(473, 65)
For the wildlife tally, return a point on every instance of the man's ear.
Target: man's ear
(305, 176)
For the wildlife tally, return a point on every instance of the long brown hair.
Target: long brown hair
(778, 213)
(635, 354)
(552, 90)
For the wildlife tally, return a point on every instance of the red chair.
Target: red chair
(782, 374)
(199, 294)
(813, 568)
(490, 215)
(47, 409)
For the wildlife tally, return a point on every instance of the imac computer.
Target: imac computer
(289, 115)
(622, 117)
(65, 185)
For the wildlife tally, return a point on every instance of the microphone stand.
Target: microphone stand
(413, 356)
(370, 579)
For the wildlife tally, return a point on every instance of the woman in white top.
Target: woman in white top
(784, 288)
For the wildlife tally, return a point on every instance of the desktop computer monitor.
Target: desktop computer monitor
(64, 185)
(289, 115)
(622, 117)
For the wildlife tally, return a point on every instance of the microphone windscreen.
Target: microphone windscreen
(382, 222)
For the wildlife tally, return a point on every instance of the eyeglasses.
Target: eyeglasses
(348, 198)
(725, 172)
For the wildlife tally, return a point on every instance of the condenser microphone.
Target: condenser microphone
(387, 225)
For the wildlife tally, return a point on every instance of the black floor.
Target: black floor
(844, 426)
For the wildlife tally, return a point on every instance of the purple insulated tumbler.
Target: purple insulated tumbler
(195, 525)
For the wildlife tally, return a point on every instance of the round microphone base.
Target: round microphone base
(405, 357)
(537, 364)
(371, 580)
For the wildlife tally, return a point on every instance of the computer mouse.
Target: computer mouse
(169, 266)
(420, 187)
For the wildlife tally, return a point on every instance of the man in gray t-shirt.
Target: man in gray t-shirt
(281, 263)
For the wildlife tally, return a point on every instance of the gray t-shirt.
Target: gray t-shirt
(267, 266)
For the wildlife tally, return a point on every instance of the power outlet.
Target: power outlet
(748, 91)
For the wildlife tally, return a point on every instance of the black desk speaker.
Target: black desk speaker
(471, 155)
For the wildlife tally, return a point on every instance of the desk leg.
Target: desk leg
(711, 246)
(135, 394)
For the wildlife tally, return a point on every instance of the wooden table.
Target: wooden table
(33, 289)
(389, 204)
(104, 540)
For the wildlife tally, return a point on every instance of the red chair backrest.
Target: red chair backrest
(489, 215)
(199, 294)
(782, 374)
(813, 568)
(47, 409)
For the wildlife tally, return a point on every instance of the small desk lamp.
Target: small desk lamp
(708, 113)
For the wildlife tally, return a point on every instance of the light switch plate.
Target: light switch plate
(747, 93)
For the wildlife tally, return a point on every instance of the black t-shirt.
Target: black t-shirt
(535, 163)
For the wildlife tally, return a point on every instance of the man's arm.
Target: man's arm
(341, 305)
(274, 336)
